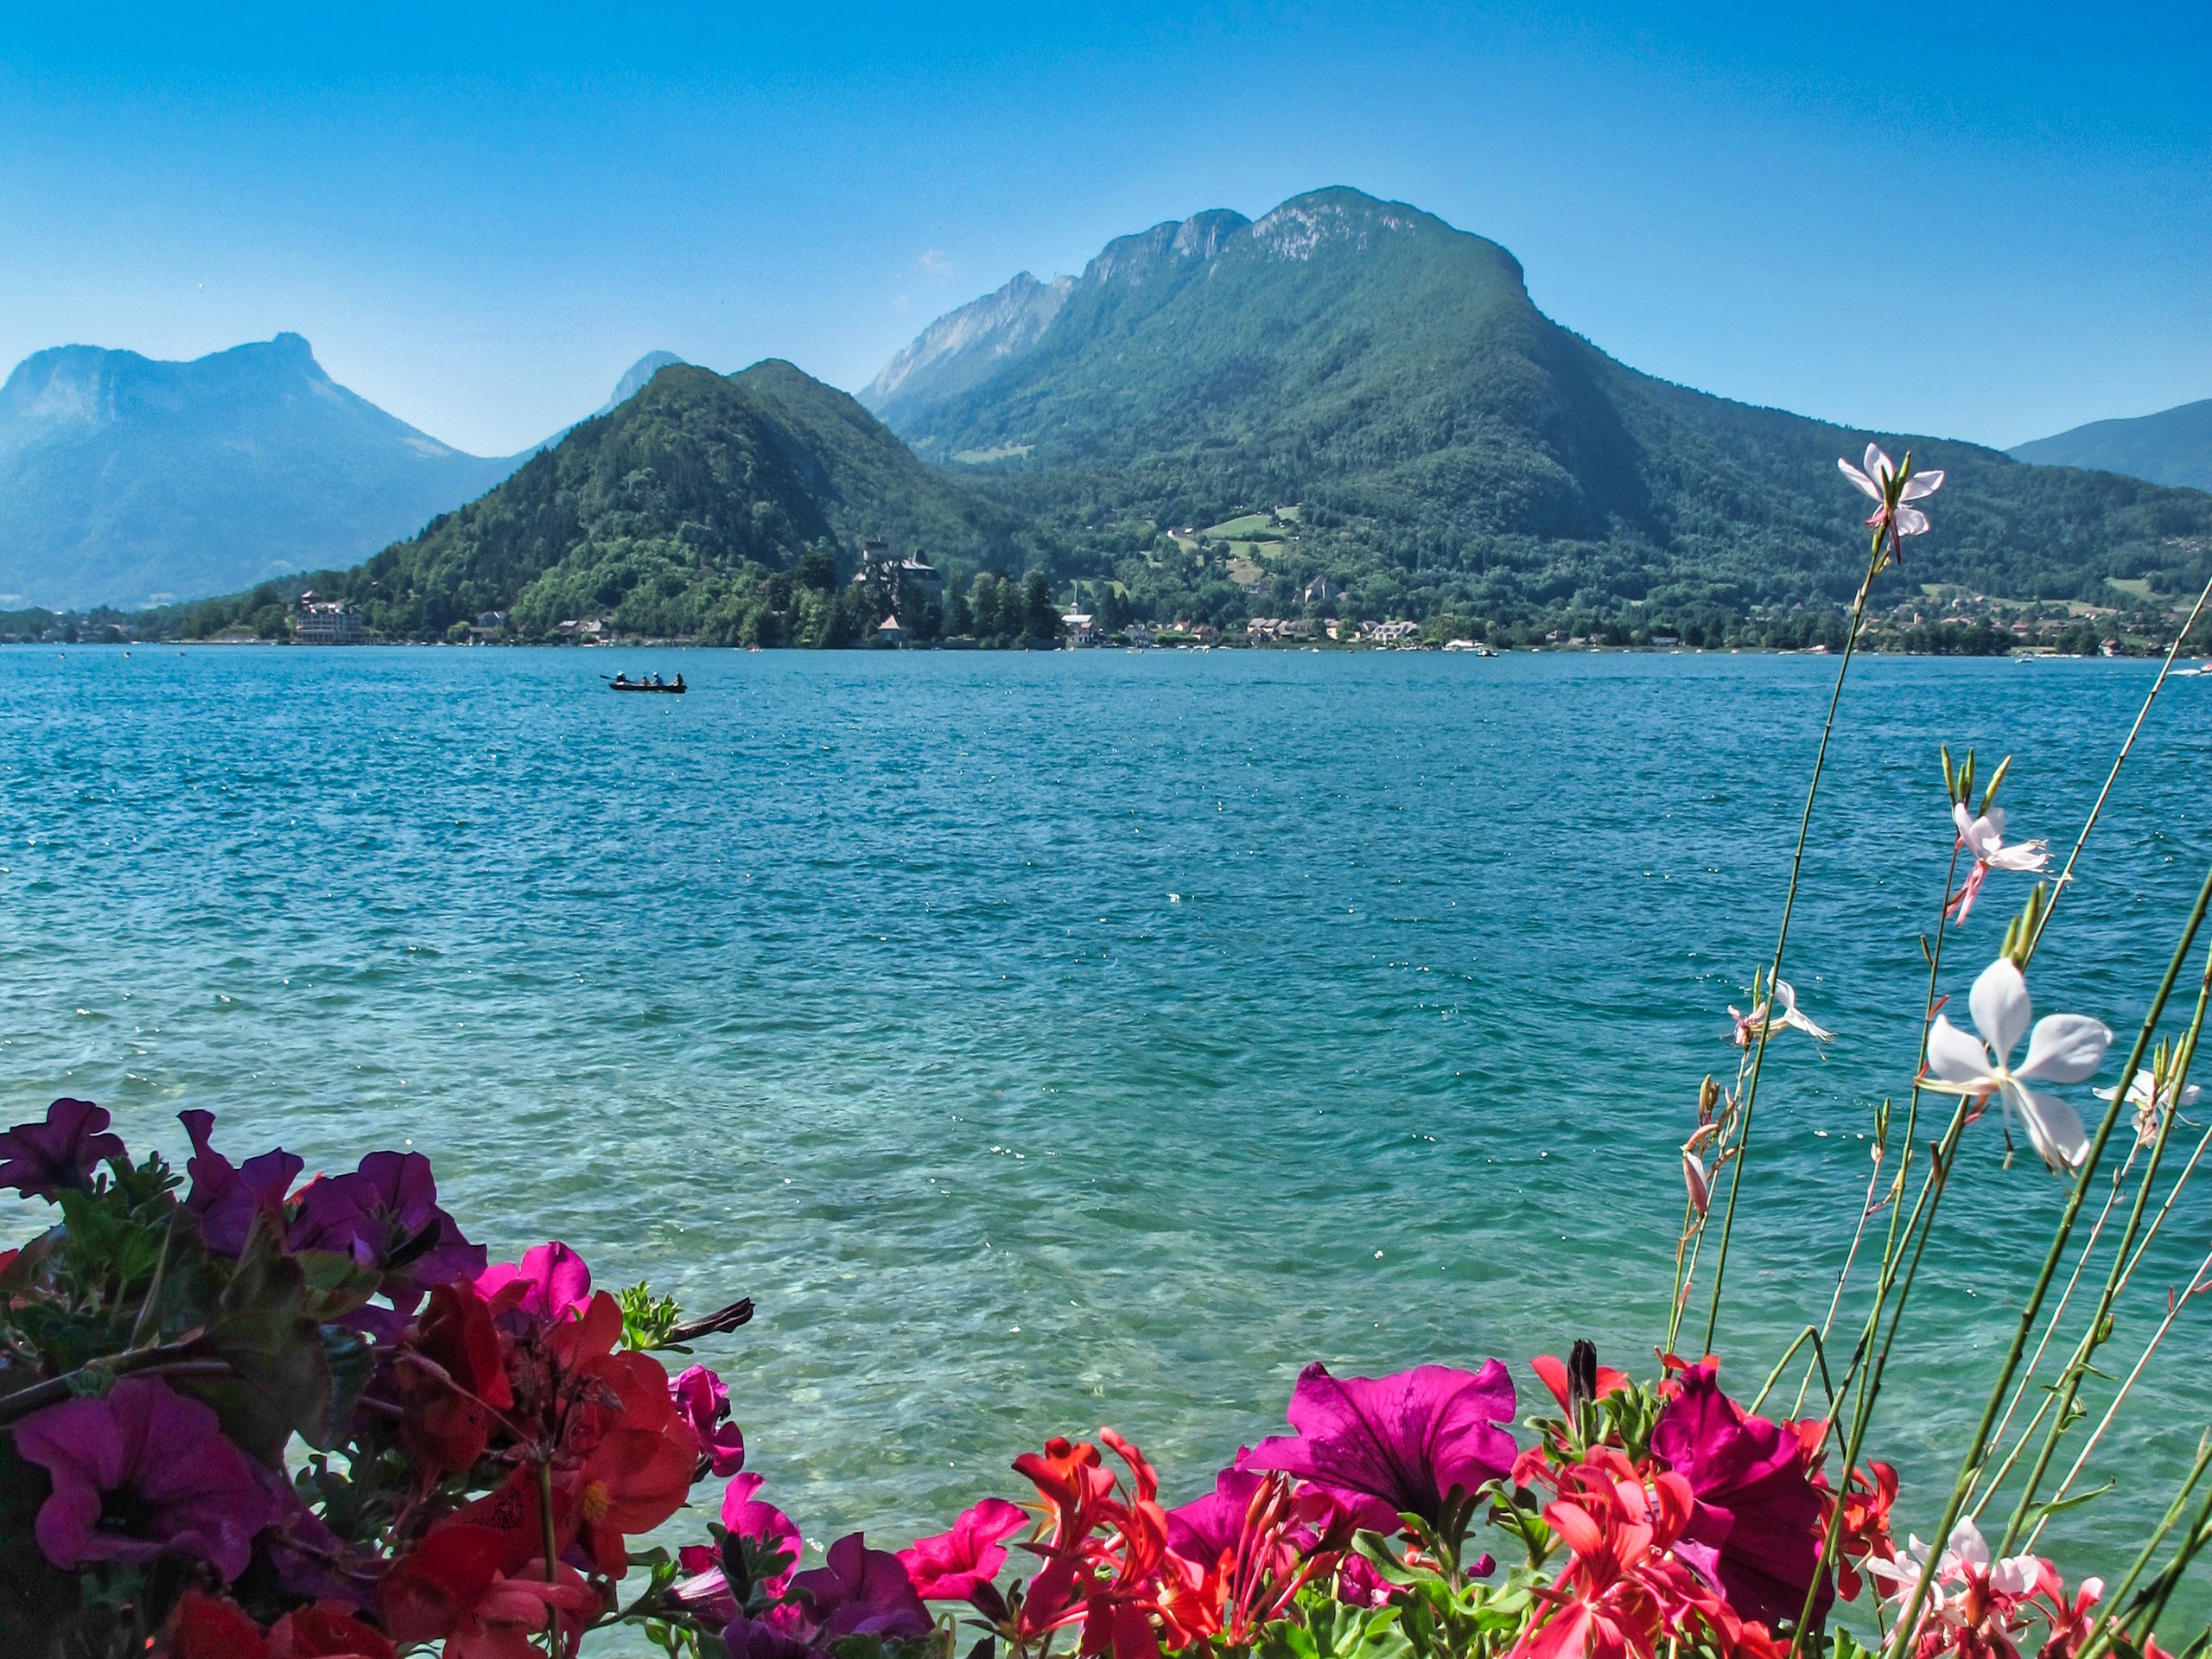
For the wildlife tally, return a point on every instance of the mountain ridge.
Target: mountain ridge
(2171, 447)
(1452, 446)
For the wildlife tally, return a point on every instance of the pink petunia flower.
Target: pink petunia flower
(1410, 1439)
(953, 1564)
(703, 1401)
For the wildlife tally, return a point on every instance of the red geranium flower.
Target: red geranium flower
(456, 1587)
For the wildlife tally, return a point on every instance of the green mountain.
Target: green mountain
(1444, 444)
(126, 479)
(691, 509)
(2172, 446)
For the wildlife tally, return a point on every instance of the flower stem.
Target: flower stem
(2066, 876)
(1970, 1468)
(1917, 1229)
(1874, 563)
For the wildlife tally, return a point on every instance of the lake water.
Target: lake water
(1054, 1040)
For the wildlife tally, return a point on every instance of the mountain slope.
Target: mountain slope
(2171, 447)
(123, 478)
(671, 512)
(1447, 444)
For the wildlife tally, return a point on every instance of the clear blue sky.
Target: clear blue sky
(1989, 221)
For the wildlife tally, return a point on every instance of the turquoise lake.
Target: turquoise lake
(1054, 1040)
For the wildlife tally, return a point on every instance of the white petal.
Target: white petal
(1995, 816)
(1982, 839)
(2001, 1010)
(1865, 484)
(1953, 1056)
(1878, 465)
(1922, 484)
(2054, 1127)
(1967, 1544)
(2014, 1576)
(1962, 818)
(1911, 521)
(2028, 855)
(2066, 1048)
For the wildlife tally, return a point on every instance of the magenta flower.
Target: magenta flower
(550, 1282)
(953, 1566)
(41, 1159)
(755, 1638)
(1410, 1439)
(862, 1591)
(226, 1198)
(763, 1525)
(1206, 1528)
(703, 1401)
(1756, 1532)
(385, 1208)
(142, 1472)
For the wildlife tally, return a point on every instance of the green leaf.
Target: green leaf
(296, 1375)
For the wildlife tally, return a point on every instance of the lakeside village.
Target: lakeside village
(996, 611)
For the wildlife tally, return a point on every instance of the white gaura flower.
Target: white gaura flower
(2151, 1101)
(2065, 1048)
(1767, 1018)
(1879, 481)
(1984, 837)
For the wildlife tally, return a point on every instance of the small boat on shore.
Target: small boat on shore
(624, 682)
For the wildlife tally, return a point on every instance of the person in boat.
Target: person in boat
(679, 682)
(656, 679)
(621, 679)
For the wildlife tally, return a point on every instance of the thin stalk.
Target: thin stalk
(1923, 1225)
(1874, 561)
(552, 1544)
(2066, 876)
(2109, 1622)
(1971, 1465)
(2198, 1284)
(2122, 1265)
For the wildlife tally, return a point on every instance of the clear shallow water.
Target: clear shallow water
(1046, 1041)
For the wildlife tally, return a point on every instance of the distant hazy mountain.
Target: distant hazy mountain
(1446, 442)
(2172, 446)
(123, 479)
(669, 511)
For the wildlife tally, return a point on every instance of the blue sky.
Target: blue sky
(1987, 221)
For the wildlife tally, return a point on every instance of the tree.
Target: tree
(816, 570)
(1038, 615)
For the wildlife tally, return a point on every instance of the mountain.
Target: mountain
(1444, 443)
(124, 479)
(962, 347)
(2172, 446)
(689, 509)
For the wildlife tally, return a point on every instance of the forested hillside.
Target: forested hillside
(1448, 445)
(689, 510)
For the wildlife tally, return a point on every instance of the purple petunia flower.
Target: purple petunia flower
(387, 1204)
(226, 1197)
(755, 1638)
(139, 1473)
(40, 1160)
(1756, 1531)
(862, 1591)
(703, 1401)
(1409, 1439)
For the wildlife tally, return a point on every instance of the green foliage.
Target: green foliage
(647, 1320)
(676, 513)
(1454, 449)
